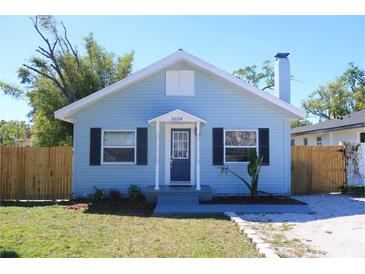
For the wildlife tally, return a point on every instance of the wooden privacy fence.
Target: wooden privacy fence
(317, 169)
(35, 173)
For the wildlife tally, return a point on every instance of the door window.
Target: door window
(180, 145)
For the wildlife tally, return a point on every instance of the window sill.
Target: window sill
(235, 163)
(117, 163)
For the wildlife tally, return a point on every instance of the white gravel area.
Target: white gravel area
(337, 228)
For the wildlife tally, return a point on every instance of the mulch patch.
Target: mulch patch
(283, 200)
(80, 206)
(110, 206)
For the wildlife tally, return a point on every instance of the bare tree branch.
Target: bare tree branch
(54, 45)
(268, 87)
(44, 53)
(62, 43)
(70, 45)
(55, 64)
(317, 113)
(35, 24)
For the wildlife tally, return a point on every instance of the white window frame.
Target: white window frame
(188, 147)
(320, 141)
(134, 147)
(228, 146)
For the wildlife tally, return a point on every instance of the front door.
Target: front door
(180, 156)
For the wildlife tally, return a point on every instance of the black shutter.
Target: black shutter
(95, 146)
(264, 145)
(142, 146)
(218, 146)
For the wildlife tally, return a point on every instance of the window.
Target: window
(238, 145)
(305, 141)
(362, 137)
(119, 146)
(180, 148)
(292, 142)
(319, 141)
(180, 82)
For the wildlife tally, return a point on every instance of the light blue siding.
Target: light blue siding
(216, 101)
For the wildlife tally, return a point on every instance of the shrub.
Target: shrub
(354, 190)
(98, 193)
(253, 170)
(114, 194)
(135, 194)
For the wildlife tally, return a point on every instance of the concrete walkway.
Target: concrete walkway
(169, 206)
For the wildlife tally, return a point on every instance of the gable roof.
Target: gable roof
(178, 56)
(353, 120)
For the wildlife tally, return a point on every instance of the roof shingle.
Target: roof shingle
(353, 120)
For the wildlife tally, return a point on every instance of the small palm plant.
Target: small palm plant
(253, 170)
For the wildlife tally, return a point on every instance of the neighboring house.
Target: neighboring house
(196, 116)
(348, 128)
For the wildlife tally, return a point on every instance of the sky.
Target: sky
(320, 47)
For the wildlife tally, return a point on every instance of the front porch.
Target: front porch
(181, 150)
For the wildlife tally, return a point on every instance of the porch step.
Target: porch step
(205, 194)
(172, 199)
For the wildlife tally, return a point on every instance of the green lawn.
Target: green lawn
(51, 231)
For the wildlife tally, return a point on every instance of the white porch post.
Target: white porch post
(198, 155)
(157, 164)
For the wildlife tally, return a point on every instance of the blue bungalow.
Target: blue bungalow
(175, 123)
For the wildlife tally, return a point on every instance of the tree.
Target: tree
(14, 133)
(300, 123)
(263, 79)
(342, 96)
(60, 75)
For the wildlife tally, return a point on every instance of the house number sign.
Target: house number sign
(176, 118)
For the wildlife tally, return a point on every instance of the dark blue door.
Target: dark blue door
(180, 155)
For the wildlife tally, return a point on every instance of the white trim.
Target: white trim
(73, 158)
(287, 156)
(186, 117)
(168, 127)
(102, 147)
(157, 164)
(224, 144)
(198, 156)
(178, 56)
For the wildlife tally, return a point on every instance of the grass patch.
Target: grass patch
(287, 226)
(284, 247)
(117, 229)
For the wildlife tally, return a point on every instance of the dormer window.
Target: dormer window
(180, 83)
